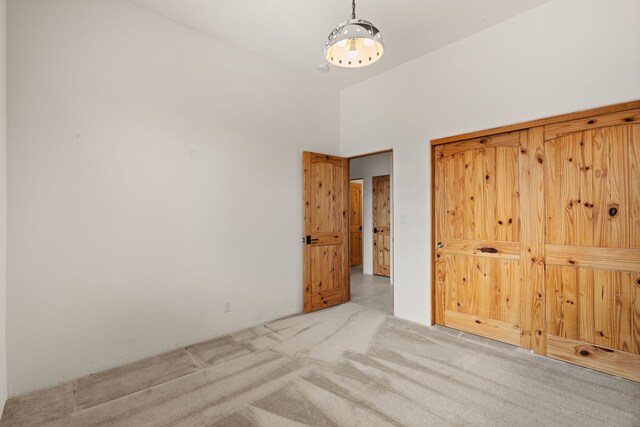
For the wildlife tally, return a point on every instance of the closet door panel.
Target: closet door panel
(478, 259)
(593, 259)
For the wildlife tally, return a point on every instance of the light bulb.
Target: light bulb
(353, 51)
(368, 42)
(342, 43)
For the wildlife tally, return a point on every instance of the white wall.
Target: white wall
(3, 203)
(564, 56)
(366, 168)
(134, 146)
(154, 174)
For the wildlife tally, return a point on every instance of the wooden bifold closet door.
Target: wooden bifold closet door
(592, 187)
(478, 217)
(537, 237)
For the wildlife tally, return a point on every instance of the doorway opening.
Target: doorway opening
(371, 230)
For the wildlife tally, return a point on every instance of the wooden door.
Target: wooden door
(593, 243)
(537, 235)
(326, 240)
(355, 223)
(477, 217)
(381, 195)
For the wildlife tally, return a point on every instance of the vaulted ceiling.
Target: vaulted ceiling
(292, 32)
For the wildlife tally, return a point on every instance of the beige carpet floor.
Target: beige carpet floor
(344, 366)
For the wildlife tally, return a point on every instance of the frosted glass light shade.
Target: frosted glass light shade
(363, 46)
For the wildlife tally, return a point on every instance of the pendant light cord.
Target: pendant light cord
(353, 5)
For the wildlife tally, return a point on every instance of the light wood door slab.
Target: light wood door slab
(355, 223)
(326, 240)
(477, 224)
(593, 243)
(381, 192)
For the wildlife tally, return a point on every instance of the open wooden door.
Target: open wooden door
(355, 223)
(381, 189)
(326, 228)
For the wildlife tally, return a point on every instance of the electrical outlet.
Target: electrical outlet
(227, 307)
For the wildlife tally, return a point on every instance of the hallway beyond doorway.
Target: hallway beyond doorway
(371, 291)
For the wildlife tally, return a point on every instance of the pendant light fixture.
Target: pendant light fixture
(355, 43)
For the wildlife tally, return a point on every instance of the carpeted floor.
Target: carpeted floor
(344, 366)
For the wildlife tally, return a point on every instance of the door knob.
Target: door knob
(375, 229)
(440, 245)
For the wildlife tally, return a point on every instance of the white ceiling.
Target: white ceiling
(292, 32)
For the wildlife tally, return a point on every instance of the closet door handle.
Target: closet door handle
(440, 245)
(375, 229)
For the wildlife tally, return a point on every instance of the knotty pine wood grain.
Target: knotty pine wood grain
(594, 257)
(453, 198)
(635, 313)
(578, 211)
(532, 238)
(539, 122)
(355, 223)
(507, 194)
(511, 139)
(469, 209)
(589, 200)
(562, 302)
(346, 273)
(326, 202)
(481, 194)
(480, 202)
(381, 192)
(441, 217)
(306, 252)
(603, 302)
(486, 287)
(623, 315)
(592, 211)
(600, 358)
(586, 214)
(626, 117)
(593, 306)
(634, 186)
(483, 326)
(483, 248)
(586, 319)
